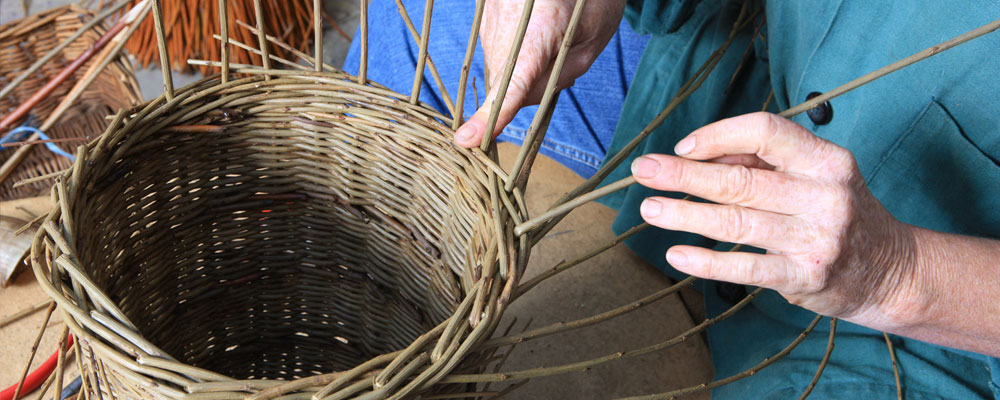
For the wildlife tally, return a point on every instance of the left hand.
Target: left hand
(831, 247)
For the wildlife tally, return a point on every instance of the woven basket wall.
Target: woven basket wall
(24, 41)
(256, 232)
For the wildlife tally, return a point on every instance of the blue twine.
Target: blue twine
(21, 132)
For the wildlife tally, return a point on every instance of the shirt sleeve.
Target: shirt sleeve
(658, 17)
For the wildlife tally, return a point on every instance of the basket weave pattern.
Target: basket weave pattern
(22, 42)
(278, 229)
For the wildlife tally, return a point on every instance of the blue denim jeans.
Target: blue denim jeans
(585, 116)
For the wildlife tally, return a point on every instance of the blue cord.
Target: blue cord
(21, 132)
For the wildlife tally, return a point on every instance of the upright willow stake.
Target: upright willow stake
(224, 34)
(262, 38)
(363, 69)
(508, 72)
(430, 61)
(463, 79)
(318, 33)
(425, 35)
(532, 140)
(161, 43)
(58, 49)
(34, 349)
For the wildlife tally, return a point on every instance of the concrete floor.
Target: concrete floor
(612, 279)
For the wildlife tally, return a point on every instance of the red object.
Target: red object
(36, 377)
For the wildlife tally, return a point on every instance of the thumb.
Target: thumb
(471, 133)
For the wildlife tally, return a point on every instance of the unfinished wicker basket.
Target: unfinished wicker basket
(278, 229)
(24, 41)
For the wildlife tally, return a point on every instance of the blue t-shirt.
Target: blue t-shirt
(925, 138)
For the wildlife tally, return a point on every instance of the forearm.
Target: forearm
(956, 299)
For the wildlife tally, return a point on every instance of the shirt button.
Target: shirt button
(730, 292)
(822, 114)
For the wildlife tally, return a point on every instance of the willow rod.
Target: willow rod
(568, 206)
(896, 66)
(363, 69)
(8, 166)
(261, 38)
(548, 102)
(34, 349)
(463, 79)
(430, 62)
(753, 370)
(224, 33)
(318, 33)
(425, 35)
(62, 45)
(683, 93)
(508, 72)
(161, 44)
(840, 90)
(823, 362)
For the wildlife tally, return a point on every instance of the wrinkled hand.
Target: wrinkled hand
(831, 247)
(546, 29)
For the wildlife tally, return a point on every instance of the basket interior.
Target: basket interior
(282, 247)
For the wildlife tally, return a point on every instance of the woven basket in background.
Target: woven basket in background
(25, 40)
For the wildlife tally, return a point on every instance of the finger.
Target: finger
(775, 140)
(761, 189)
(726, 223)
(746, 160)
(763, 270)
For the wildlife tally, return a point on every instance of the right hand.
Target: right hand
(548, 24)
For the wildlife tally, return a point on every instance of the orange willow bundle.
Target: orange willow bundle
(190, 24)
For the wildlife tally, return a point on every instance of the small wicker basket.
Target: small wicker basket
(286, 234)
(24, 41)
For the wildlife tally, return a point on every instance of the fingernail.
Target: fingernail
(677, 258)
(465, 133)
(684, 146)
(650, 208)
(645, 167)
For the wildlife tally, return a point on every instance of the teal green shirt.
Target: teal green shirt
(925, 138)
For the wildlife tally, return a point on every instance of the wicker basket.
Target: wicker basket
(284, 234)
(22, 42)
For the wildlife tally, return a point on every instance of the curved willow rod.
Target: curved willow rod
(508, 72)
(563, 206)
(823, 362)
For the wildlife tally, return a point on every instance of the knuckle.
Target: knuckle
(737, 224)
(737, 184)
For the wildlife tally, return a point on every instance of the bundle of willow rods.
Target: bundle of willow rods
(190, 24)
(24, 41)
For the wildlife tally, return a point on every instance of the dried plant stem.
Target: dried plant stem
(74, 94)
(34, 349)
(161, 44)
(58, 49)
(886, 70)
(895, 366)
(363, 69)
(508, 72)
(23, 313)
(224, 33)
(318, 33)
(539, 124)
(823, 362)
(430, 62)
(763, 364)
(683, 93)
(425, 35)
(62, 358)
(467, 66)
(261, 38)
(583, 365)
(565, 208)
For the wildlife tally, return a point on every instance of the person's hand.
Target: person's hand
(548, 24)
(831, 247)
